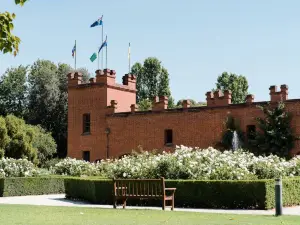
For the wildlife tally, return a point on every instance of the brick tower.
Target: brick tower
(88, 105)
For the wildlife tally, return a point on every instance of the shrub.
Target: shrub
(206, 164)
(21, 139)
(31, 186)
(256, 194)
(50, 163)
(73, 167)
(44, 143)
(17, 168)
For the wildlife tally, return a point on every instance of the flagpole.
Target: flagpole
(106, 51)
(98, 60)
(129, 59)
(75, 54)
(101, 43)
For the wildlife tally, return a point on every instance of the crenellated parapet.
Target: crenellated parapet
(103, 77)
(160, 103)
(277, 96)
(218, 98)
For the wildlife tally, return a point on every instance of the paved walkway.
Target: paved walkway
(60, 200)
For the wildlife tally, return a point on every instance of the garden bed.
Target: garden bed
(254, 194)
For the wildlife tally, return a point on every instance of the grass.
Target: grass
(48, 215)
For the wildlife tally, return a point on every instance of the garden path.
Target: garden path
(60, 200)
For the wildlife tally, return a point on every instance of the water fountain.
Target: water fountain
(235, 141)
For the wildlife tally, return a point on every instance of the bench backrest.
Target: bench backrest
(139, 187)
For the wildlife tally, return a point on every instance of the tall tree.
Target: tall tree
(152, 80)
(237, 84)
(59, 131)
(44, 93)
(275, 135)
(8, 41)
(13, 92)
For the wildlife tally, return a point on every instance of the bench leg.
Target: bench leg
(115, 203)
(172, 208)
(124, 203)
(164, 204)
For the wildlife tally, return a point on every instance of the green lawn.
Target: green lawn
(42, 215)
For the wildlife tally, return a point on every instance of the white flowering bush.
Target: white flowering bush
(17, 168)
(73, 167)
(204, 164)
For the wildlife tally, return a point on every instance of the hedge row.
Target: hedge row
(19, 186)
(255, 194)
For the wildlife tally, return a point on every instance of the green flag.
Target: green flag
(93, 57)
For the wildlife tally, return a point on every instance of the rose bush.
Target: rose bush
(17, 168)
(73, 167)
(204, 164)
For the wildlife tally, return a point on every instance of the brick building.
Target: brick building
(103, 120)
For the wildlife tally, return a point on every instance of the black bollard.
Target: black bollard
(278, 197)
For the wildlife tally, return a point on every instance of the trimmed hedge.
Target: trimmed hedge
(19, 186)
(258, 194)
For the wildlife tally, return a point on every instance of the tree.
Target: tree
(192, 102)
(152, 80)
(275, 135)
(44, 94)
(44, 143)
(21, 140)
(164, 88)
(8, 41)
(4, 138)
(13, 92)
(85, 74)
(145, 105)
(237, 84)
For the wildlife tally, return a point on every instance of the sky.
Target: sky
(195, 40)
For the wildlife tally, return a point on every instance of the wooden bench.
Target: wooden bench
(142, 189)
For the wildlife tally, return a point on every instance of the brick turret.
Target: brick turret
(277, 96)
(160, 103)
(74, 78)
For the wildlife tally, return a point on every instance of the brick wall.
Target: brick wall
(113, 106)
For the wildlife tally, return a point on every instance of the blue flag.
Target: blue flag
(103, 44)
(98, 22)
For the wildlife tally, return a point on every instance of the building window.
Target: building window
(86, 156)
(251, 130)
(168, 137)
(86, 123)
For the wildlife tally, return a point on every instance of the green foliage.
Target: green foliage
(192, 102)
(20, 2)
(21, 186)
(258, 194)
(237, 84)
(276, 135)
(231, 125)
(51, 163)
(40, 98)
(21, 139)
(44, 143)
(8, 41)
(13, 91)
(4, 138)
(152, 80)
(47, 99)
(144, 105)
